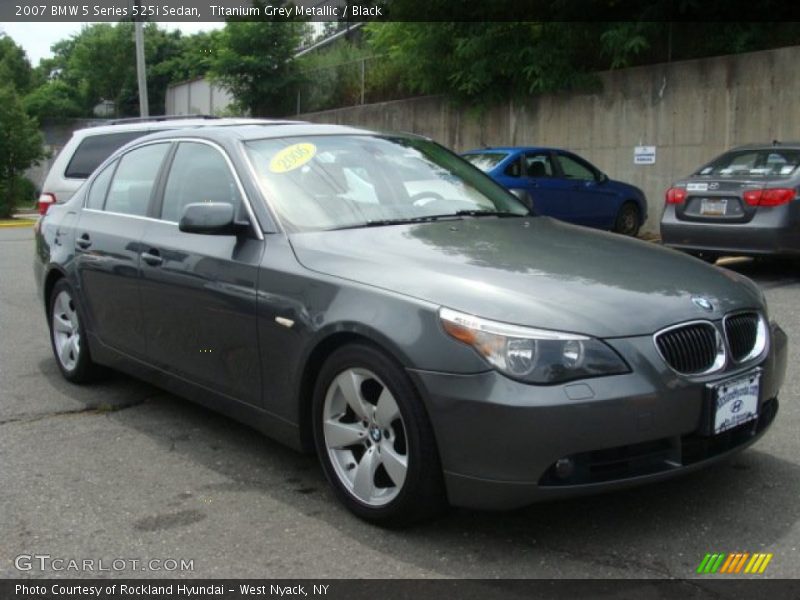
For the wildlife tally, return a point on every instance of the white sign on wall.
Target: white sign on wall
(644, 155)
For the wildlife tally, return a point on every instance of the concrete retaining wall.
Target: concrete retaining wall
(691, 111)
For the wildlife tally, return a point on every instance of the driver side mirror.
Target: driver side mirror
(210, 218)
(602, 178)
(524, 197)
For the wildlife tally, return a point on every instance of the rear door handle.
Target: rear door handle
(152, 258)
(83, 242)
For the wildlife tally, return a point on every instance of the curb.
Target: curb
(20, 224)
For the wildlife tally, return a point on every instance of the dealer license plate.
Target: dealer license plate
(713, 207)
(735, 402)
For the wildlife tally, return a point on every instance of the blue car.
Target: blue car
(564, 186)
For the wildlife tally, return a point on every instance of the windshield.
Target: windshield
(333, 182)
(485, 161)
(766, 163)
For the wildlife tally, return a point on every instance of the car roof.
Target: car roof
(499, 149)
(260, 131)
(768, 146)
(172, 123)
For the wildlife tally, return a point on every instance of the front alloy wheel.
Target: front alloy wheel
(365, 437)
(374, 439)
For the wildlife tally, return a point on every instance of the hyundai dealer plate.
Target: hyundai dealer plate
(735, 401)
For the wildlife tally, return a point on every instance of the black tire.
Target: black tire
(629, 220)
(422, 493)
(84, 369)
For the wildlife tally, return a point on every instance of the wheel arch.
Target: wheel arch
(325, 345)
(54, 274)
(639, 206)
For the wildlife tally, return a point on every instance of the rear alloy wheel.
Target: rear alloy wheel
(67, 336)
(628, 220)
(374, 439)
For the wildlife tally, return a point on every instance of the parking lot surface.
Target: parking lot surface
(122, 470)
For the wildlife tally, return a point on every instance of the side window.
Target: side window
(94, 149)
(538, 165)
(575, 170)
(134, 180)
(199, 173)
(97, 195)
(514, 169)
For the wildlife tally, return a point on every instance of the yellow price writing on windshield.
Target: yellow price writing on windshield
(292, 157)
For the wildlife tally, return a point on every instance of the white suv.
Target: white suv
(91, 146)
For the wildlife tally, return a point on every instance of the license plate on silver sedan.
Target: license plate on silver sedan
(713, 207)
(735, 402)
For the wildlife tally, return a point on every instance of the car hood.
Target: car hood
(531, 271)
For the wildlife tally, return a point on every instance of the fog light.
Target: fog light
(564, 467)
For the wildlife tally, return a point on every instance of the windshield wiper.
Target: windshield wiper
(485, 213)
(407, 220)
(429, 218)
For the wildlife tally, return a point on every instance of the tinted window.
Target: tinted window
(199, 173)
(775, 162)
(133, 182)
(336, 181)
(485, 161)
(97, 195)
(574, 169)
(514, 168)
(94, 149)
(538, 165)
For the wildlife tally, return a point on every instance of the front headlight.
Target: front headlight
(533, 355)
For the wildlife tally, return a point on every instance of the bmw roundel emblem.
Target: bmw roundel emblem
(703, 303)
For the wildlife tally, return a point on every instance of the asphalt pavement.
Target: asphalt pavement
(123, 471)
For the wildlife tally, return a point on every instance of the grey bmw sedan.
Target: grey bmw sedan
(378, 300)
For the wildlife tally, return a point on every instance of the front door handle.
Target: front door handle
(83, 242)
(152, 258)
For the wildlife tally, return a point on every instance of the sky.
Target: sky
(36, 38)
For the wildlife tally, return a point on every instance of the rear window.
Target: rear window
(485, 161)
(94, 149)
(767, 163)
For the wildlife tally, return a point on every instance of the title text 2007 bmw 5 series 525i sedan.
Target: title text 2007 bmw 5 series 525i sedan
(379, 300)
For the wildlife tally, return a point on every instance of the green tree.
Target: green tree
(486, 62)
(21, 145)
(53, 99)
(254, 61)
(99, 63)
(15, 68)
(192, 57)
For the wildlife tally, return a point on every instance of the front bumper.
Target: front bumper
(772, 231)
(499, 439)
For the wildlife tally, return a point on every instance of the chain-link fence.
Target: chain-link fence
(360, 81)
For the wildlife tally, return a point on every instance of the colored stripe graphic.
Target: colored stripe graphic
(740, 564)
(720, 562)
(703, 563)
(749, 568)
(764, 564)
(726, 566)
